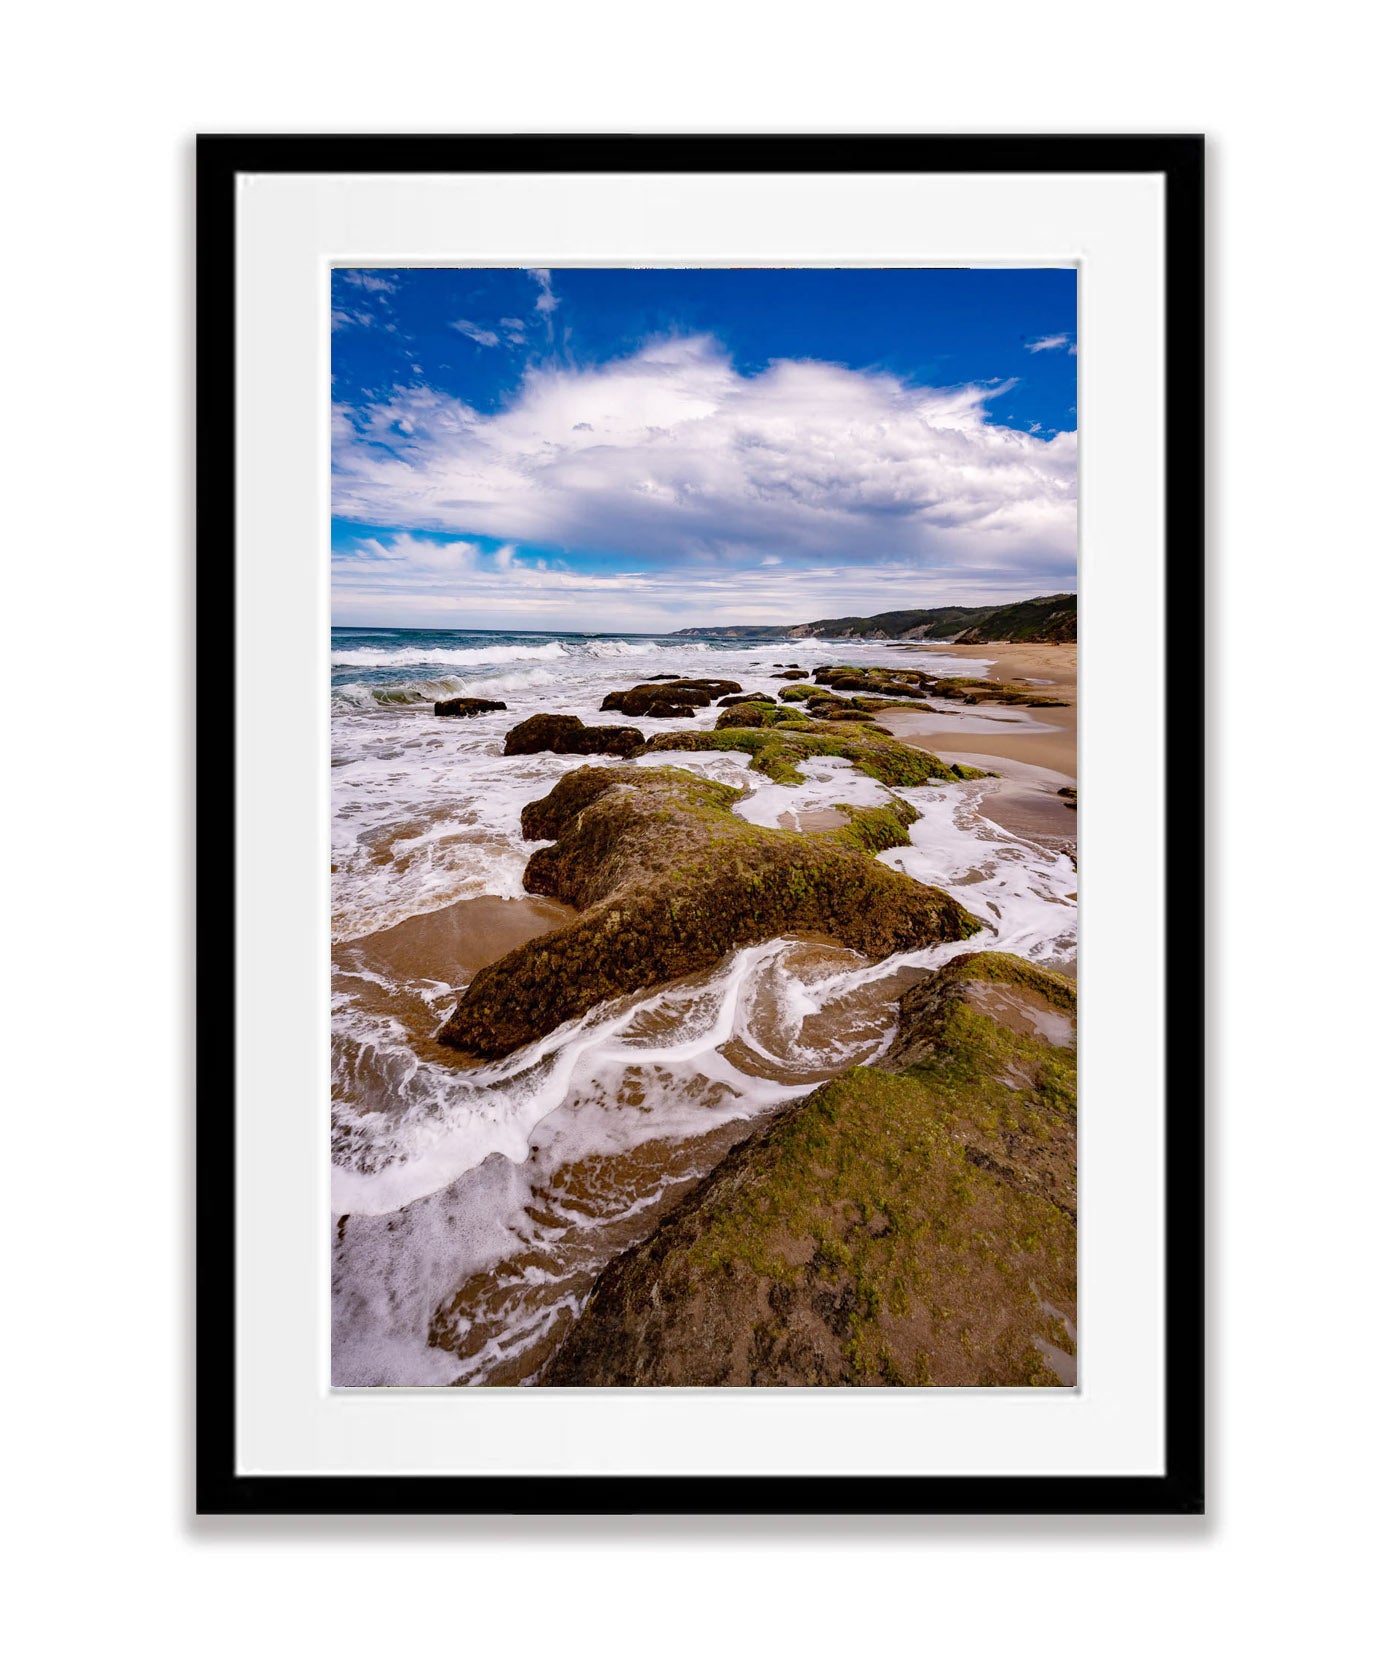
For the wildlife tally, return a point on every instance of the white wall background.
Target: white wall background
(1285, 1577)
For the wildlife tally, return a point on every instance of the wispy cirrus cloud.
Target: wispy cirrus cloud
(671, 453)
(1053, 341)
(547, 302)
(477, 334)
(367, 280)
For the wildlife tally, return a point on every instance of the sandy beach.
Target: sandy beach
(1046, 737)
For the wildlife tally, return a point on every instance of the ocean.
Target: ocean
(474, 1204)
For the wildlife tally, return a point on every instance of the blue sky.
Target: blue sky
(650, 449)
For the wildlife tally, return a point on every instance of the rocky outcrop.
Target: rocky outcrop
(549, 732)
(466, 705)
(847, 708)
(901, 685)
(909, 1223)
(779, 738)
(668, 699)
(670, 881)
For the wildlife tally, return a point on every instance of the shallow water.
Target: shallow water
(474, 1204)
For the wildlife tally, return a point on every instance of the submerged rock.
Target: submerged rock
(908, 1223)
(549, 732)
(666, 699)
(466, 705)
(670, 881)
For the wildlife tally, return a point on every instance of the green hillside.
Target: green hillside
(1046, 618)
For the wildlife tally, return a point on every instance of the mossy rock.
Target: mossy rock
(899, 686)
(896, 1227)
(670, 881)
(551, 732)
(758, 713)
(778, 739)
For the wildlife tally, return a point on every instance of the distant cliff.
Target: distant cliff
(1046, 618)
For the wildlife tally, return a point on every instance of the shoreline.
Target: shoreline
(1045, 739)
(475, 1276)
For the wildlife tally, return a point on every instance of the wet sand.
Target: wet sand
(1028, 805)
(819, 820)
(1046, 737)
(450, 945)
(1053, 665)
(1020, 736)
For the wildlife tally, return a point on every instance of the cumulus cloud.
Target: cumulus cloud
(671, 454)
(1055, 341)
(478, 335)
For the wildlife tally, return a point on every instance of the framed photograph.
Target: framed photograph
(700, 985)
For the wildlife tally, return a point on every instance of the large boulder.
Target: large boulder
(550, 732)
(466, 705)
(911, 1222)
(665, 699)
(669, 881)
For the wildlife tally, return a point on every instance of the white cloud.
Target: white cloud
(546, 302)
(479, 335)
(405, 579)
(366, 279)
(1055, 341)
(671, 454)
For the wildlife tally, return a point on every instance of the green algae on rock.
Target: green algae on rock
(670, 881)
(779, 738)
(908, 1223)
(899, 684)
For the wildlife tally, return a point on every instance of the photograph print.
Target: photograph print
(704, 873)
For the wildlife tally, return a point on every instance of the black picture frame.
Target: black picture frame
(1179, 160)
